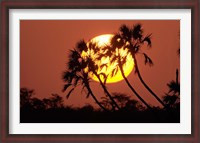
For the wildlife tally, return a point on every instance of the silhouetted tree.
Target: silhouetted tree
(178, 51)
(121, 99)
(28, 102)
(172, 98)
(124, 101)
(85, 58)
(26, 96)
(47, 102)
(92, 58)
(106, 102)
(77, 73)
(94, 68)
(115, 57)
(134, 105)
(50, 110)
(55, 101)
(174, 86)
(113, 52)
(37, 104)
(132, 39)
(87, 108)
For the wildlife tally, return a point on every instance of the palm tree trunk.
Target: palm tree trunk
(133, 90)
(176, 76)
(95, 99)
(145, 85)
(106, 91)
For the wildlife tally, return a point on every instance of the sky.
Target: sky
(45, 45)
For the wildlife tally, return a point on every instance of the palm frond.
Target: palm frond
(123, 60)
(174, 87)
(137, 31)
(128, 46)
(71, 63)
(136, 48)
(100, 56)
(88, 95)
(103, 65)
(69, 93)
(125, 32)
(170, 99)
(68, 76)
(96, 48)
(83, 64)
(106, 47)
(115, 38)
(66, 86)
(147, 60)
(76, 80)
(103, 74)
(113, 59)
(83, 88)
(117, 41)
(148, 40)
(81, 46)
(92, 66)
(74, 60)
(74, 54)
(93, 46)
(114, 72)
(108, 53)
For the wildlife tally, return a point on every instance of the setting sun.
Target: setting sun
(103, 40)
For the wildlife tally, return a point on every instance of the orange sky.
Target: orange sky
(45, 44)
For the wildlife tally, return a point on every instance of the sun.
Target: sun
(101, 41)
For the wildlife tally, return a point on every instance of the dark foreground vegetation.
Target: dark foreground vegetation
(53, 110)
(87, 115)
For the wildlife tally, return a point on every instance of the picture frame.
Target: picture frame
(89, 4)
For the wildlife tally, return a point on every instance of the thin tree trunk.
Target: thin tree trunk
(133, 90)
(106, 91)
(177, 76)
(95, 99)
(145, 85)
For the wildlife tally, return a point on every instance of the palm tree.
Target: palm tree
(114, 53)
(76, 74)
(91, 58)
(132, 40)
(173, 96)
(174, 86)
